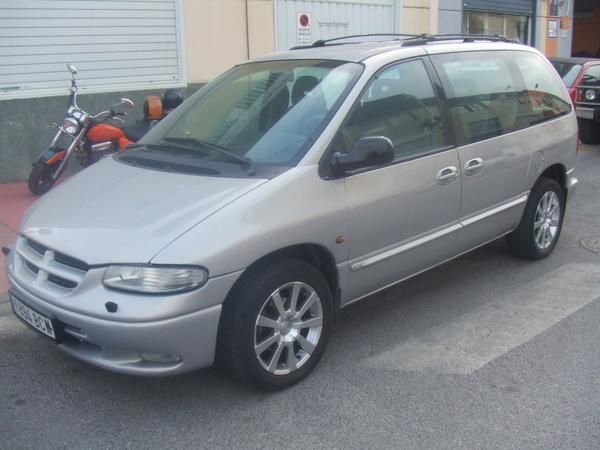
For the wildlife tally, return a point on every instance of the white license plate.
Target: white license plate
(33, 318)
(585, 113)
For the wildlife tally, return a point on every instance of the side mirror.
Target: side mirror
(72, 69)
(127, 103)
(367, 152)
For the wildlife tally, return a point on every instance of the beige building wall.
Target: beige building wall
(419, 16)
(221, 33)
(216, 31)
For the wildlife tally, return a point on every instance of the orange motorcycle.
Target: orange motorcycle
(89, 138)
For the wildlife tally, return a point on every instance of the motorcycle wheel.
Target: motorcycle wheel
(40, 179)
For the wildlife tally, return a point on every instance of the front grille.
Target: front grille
(31, 267)
(67, 284)
(49, 268)
(71, 262)
(39, 248)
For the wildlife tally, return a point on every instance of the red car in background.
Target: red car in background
(582, 78)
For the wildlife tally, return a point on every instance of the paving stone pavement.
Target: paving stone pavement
(15, 199)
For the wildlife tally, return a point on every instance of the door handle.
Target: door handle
(446, 175)
(473, 166)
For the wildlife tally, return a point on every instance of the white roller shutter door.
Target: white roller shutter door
(115, 44)
(334, 18)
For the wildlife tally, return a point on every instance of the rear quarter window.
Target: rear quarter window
(545, 92)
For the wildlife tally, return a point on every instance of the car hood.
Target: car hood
(115, 213)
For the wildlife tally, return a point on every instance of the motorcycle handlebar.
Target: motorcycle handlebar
(100, 115)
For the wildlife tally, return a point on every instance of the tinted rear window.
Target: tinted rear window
(546, 94)
(489, 95)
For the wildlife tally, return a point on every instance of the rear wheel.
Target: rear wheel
(541, 223)
(589, 131)
(276, 324)
(41, 177)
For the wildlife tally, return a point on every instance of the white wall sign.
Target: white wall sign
(553, 28)
(304, 28)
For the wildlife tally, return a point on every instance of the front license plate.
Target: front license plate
(585, 113)
(35, 319)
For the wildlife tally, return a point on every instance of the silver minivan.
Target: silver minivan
(288, 188)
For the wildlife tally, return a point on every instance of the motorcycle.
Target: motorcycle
(89, 138)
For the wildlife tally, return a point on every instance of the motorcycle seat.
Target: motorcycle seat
(136, 131)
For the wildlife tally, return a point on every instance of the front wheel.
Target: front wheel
(541, 223)
(41, 178)
(276, 324)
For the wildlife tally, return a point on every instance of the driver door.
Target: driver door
(403, 217)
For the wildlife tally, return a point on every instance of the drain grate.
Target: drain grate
(591, 243)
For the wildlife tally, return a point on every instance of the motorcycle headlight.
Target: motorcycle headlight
(81, 117)
(590, 95)
(70, 125)
(154, 279)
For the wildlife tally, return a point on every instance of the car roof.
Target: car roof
(360, 51)
(572, 60)
(354, 52)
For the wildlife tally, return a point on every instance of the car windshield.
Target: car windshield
(567, 71)
(257, 114)
(591, 77)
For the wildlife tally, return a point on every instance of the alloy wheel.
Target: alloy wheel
(288, 328)
(547, 220)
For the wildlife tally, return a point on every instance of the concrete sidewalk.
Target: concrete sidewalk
(14, 201)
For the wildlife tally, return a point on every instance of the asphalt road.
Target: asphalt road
(487, 351)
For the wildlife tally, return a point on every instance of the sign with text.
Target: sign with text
(553, 28)
(304, 28)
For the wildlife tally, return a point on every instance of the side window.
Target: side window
(483, 96)
(400, 104)
(545, 92)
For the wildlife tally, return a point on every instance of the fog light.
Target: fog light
(160, 358)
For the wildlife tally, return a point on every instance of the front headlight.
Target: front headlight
(81, 117)
(590, 95)
(154, 279)
(70, 125)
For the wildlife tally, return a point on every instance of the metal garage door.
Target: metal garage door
(332, 18)
(116, 45)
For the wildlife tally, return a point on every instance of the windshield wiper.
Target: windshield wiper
(173, 148)
(197, 143)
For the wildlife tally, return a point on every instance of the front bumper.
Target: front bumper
(588, 113)
(157, 347)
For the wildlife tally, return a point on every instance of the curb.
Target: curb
(5, 309)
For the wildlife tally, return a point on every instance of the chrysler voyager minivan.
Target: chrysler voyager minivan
(288, 188)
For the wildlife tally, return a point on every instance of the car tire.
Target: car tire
(589, 132)
(275, 324)
(41, 179)
(541, 223)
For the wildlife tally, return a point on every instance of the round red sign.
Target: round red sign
(304, 20)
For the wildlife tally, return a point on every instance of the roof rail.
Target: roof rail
(409, 39)
(325, 42)
(427, 38)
